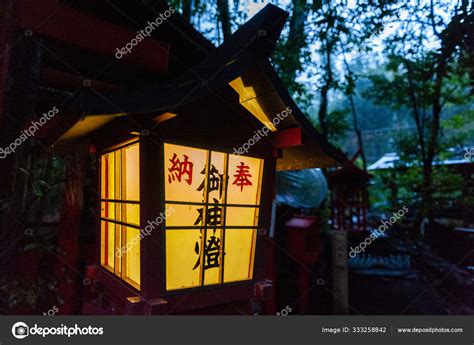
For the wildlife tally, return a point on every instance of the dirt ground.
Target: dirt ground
(420, 291)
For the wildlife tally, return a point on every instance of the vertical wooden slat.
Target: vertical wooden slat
(266, 200)
(151, 204)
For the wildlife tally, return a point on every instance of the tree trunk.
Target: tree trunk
(223, 9)
(434, 136)
(358, 132)
(294, 43)
(187, 9)
(323, 106)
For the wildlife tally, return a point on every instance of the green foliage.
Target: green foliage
(32, 295)
(461, 127)
(43, 179)
(338, 125)
(27, 294)
(431, 85)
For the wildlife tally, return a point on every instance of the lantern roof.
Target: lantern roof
(241, 63)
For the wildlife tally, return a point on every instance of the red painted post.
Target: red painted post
(5, 50)
(304, 300)
(271, 273)
(304, 247)
(69, 25)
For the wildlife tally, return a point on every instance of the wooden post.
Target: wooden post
(151, 205)
(339, 273)
(67, 268)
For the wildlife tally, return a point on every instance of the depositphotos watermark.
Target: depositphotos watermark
(144, 33)
(51, 312)
(263, 132)
(469, 153)
(285, 311)
(376, 234)
(29, 132)
(146, 231)
(21, 330)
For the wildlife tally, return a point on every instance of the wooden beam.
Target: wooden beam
(65, 24)
(288, 137)
(69, 81)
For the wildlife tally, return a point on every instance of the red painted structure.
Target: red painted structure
(61, 34)
(304, 246)
(60, 22)
(349, 198)
(5, 51)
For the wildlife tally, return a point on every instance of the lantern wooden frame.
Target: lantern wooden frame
(152, 200)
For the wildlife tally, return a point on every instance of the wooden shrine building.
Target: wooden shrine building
(186, 139)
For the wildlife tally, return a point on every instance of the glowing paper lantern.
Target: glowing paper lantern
(120, 212)
(211, 235)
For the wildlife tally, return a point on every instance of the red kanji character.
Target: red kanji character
(178, 169)
(242, 176)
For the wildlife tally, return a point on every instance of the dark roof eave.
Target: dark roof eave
(252, 44)
(225, 63)
(306, 126)
(255, 40)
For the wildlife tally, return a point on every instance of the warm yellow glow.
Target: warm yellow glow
(199, 185)
(107, 210)
(248, 194)
(132, 261)
(218, 160)
(241, 216)
(248, 98)
(164, 117)
(186, 189)
(239, 247)
(87, 125)
(131, 214)
(118, 242)
(117, 176)
(213, 275)
(102, 243)
(107, 176)
(183, 215)
(120, 194)
(107, 244)
(131, 160)
(179, 259)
